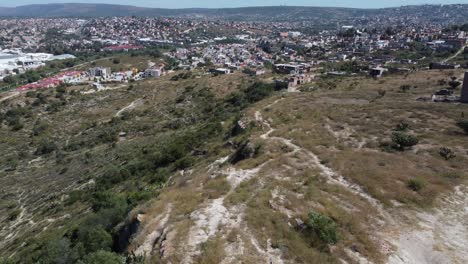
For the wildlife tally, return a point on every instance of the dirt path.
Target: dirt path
(14, 94)
(454, 55)
(440, 235)
(129, 107)
(105, 88)
(330, 174)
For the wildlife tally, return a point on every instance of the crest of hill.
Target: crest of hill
(267, 12)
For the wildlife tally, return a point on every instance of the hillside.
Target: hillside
(244, 13)
(97, 10)
(223, 169)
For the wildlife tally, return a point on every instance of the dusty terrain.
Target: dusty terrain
(320, 151)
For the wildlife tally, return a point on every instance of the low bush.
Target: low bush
(401, 140)
(103, 257)
(446, 153)
(402, 126)
(13, 215)
(106, 200)
(415, 184)
(39, 128)
(94, 238)
(59, 251)
(45, 147)
(324, 227)
(463, 124)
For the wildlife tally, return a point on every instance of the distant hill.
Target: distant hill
(99, 10)
(243, 13)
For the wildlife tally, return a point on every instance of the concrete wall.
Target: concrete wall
(464, 92)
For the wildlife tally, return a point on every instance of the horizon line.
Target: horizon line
(253, 6)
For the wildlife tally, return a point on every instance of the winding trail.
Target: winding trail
(437, 236)
(332, 176)
(14, 94)
(455, 55)
(129, 107)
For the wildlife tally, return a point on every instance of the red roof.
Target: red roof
(50, 81)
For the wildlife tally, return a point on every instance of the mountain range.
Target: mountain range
(270, 12)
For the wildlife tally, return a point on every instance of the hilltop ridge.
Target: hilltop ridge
(263, 12)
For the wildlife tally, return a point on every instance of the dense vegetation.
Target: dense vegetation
(139, 170)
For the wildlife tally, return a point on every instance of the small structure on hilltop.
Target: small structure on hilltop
(100, 72)
(155, 71)
(377, 72)
(464, 91)
(291, 68)
(220, 71)
(293, 80)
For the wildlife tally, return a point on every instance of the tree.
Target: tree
(323, 226)
(94, 238)
(402, 140)
(9, 79)
(103, 257)
(59, 251)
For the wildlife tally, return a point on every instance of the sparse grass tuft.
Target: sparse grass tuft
(416, 184)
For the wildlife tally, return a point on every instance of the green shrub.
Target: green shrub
(106, 200)
(463, 124)
(13, 215)
(402, 126)
(258, 91)
(401, 140)
(103, 257)
(324, 227)
(415, 184)
(45, 147)
(94, 238)
(74, 197)
(17, 125)
(7, 261)
(446, 153)
(454, 84)
(39, 128)
(59, 251)
(107, 135)
(245, 150)
(61, 89)
(54, 106)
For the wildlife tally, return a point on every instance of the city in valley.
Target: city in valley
(275, 134)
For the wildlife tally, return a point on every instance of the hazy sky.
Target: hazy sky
(239, 3)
